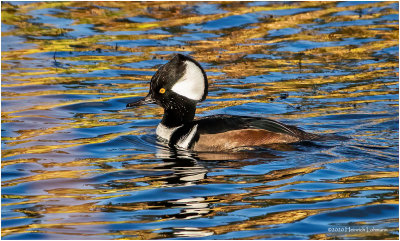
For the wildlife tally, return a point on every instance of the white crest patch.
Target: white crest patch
(191, 85)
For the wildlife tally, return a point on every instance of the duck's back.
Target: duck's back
(226, 132)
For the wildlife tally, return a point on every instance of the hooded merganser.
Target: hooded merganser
(178, 85)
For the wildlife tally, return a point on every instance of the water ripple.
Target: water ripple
(77, 165)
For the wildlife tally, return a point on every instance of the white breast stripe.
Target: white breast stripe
(186, 139)
(191, 85)
(165, 132)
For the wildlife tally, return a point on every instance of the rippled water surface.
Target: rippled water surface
(76, 164)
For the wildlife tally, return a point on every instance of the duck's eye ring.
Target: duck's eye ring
(162, 91)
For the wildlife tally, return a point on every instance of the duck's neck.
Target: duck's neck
(179, 114)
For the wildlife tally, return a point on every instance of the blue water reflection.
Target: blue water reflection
(76, 164)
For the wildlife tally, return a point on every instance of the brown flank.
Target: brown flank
(241, 138)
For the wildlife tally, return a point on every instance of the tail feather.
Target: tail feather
(324, 137)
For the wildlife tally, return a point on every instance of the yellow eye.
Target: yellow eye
(162, 91)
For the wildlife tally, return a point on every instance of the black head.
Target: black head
(182, 79)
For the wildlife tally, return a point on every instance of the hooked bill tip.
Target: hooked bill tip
(130, 104)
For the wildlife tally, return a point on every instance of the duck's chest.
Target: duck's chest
(165, 132)
(175, 136)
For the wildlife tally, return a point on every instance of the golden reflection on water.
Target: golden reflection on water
(252, 224)
(46, 82)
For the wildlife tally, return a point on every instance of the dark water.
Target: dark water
(77, 165)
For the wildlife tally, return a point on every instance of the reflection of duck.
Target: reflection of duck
(186, 169)
(186, 172)
(178, 85)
